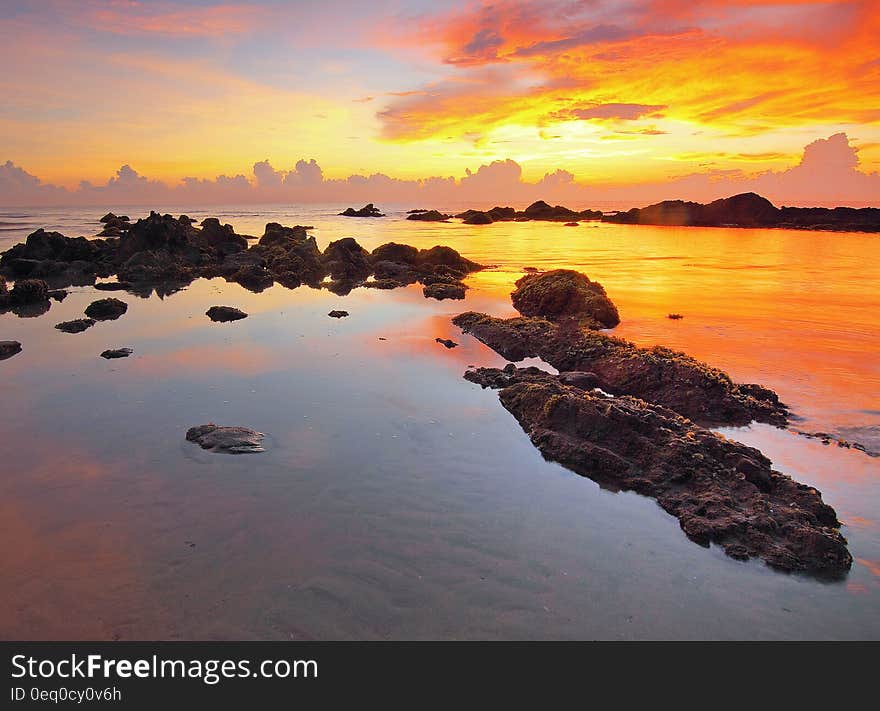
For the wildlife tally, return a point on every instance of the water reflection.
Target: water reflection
(396, 499)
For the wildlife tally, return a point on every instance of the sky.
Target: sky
(406, 99)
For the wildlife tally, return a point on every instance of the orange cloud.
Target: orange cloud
(738, 66)
(162, 18)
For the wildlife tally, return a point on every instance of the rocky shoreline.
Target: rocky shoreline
(637, 419)
(628, 417)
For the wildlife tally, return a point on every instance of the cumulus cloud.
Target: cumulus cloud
(828, 173)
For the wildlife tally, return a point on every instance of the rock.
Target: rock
(659, 375)
(441, 290)
(674, 317)
(113, 286)
(397, 253)
(278, 235)
(219, 237)
(76, 326)
(9, 349)
(563, 295)
(346, 260)
(428, 216)
(721, 491)
(58, 295)
(499, 214)
(117, 353)
(446, 257)
(110, 218)
(540, 210)
(230, 440)
(253, 278)
(368, 210)
(744, 210)
(475, 217)
(572, 224)
(106, 309)
(28, 291)
(580, 379)
(448, 342)
(338, 314)
(225, 313)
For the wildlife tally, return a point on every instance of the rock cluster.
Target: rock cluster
(368, 210)
(720, 491)
(539, 210)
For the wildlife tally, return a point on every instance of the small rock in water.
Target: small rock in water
(572, 224)
(106, 309)
(225, 313)
(76, 326)
(112, 285)
(9, 349)
(117, 353)
(448, 342)
(338, 314)
(675, 317)
(231, 440)
(58, 295)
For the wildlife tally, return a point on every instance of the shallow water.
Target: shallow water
(395, 499)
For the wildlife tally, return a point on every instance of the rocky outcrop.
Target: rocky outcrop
(475, 217)
(106, 309)
(720, 491)
(659, 375)
(750, 210)
(229, 440)
(428, 216)
(166, 253)
(28, 291)
(368, 210)
(540, 210)
(224, 314)
(345, 260)
(9, 349)
(564, 295)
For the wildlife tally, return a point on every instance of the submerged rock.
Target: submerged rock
(76, 326)
(368, 210)
(113, 286)
(720, 491)
(230, 440)
(9, 349)
(117, 353)
(225, 313)
(338, 314)
(659, 375)
(106, 309)
(444, 290)
(565, 295)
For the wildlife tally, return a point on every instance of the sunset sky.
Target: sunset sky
(612, 93)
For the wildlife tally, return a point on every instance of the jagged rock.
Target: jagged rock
(76, 326)
(220, 237)
(442, 290)
(428, 216)
(229, 440)
(9, 349)
(279, 235)
(720, 491)
(347, 261)
(106, 309)
(368, 210)
(659, 375)
(225, 313)
(565, 295)
(117, 353)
